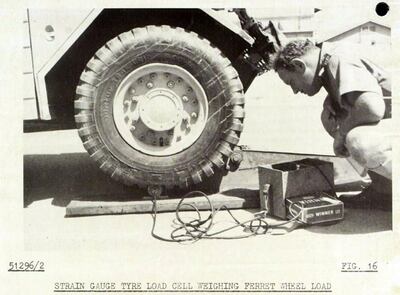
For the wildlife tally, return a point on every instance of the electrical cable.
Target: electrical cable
(198, 228)
(328, 181)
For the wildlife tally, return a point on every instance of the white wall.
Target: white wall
(367, 37)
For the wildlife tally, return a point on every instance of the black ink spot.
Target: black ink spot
(382, 8)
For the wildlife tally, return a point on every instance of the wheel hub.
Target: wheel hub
(160, 109)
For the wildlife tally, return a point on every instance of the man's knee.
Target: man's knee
(360, 146)
(366, 148)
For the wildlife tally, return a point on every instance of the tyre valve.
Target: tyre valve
(185, 98)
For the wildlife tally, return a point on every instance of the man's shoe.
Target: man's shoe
(368, 199)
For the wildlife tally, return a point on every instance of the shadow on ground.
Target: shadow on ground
(74, 176)
(67, 177)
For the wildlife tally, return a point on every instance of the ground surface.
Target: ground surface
(120, 248)
(58, 170)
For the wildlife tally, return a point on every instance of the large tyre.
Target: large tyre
(159, 106)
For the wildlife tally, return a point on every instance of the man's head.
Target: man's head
(297, 65)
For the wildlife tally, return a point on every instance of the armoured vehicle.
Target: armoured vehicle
(157, 95)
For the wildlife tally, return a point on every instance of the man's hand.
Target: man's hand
(339, 145)
(329, 122)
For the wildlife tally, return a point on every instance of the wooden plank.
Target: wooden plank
(243, 183)
(235, 199)
(343, 171)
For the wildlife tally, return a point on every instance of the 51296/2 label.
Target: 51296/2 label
(24, 266)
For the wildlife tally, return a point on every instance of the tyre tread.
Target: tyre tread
(109, 54)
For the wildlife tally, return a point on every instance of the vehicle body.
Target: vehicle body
(85, 55)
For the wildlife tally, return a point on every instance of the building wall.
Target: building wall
(375, 44)
(368, 34)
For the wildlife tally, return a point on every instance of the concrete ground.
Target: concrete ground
(120, 247)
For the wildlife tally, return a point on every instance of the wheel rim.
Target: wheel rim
(160, 109)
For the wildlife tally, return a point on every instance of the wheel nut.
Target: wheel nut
(190, 89)
(133, 91)
(185, 98)
(149, 85)
(194, 115)
(126, 103)
(153, 75)
(171, 84)
(134, 99)
(132, 128)
(140, 81)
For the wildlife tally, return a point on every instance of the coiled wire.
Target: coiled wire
(198, 228)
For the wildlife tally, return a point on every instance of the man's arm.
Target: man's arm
(328, 118)
(329, 122)
(364, 108)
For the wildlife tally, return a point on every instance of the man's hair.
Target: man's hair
(291, 50)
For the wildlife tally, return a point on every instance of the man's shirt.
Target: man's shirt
(343, 72)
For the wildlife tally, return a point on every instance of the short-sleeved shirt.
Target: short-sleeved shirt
(343, 72)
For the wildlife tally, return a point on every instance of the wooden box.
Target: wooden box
(291, 179)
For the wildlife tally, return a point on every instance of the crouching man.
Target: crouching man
(353, 112)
